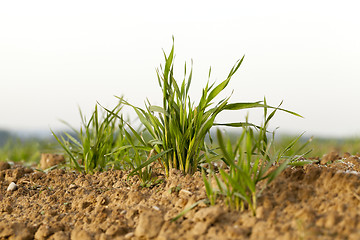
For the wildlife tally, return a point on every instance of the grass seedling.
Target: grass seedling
(179, 126)
(250, 161)
(97, 137)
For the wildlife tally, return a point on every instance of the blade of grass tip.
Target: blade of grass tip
(236, 66)
(71, 127)
(237, 124)
(304, 145)
(291, 144)
(189, 78)
(268, 118)
(83, 120)
(243, 105)
(74, 140)
(265, 108)
(217, 90)
(291, 112)
(168, 62)
(239, 106)
(182, 213)
(209, 74)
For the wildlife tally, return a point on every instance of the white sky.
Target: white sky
(58, 55)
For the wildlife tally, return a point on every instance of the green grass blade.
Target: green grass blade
(74, 161)
(152, 159)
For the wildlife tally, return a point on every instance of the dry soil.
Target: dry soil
(318, 201)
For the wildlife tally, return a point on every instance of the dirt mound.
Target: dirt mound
(312, 202)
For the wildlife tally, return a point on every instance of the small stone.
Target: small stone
(72, 186)
(12, 187)
(149, 224)
(129, 235)
(123, 212)
(220, 165)
(184, 193)
(156, 208)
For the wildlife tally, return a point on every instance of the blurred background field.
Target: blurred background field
(18, 147)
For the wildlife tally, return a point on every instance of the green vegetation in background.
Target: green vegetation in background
(26, 150)
(321, 146)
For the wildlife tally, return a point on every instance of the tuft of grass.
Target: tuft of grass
(250, 161)
(180, 127)
(103, 142)
(89, 150)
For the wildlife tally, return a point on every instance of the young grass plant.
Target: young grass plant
(249, 163)
(179, 127)
(99, 136)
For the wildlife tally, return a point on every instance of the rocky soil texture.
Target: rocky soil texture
(318, 201)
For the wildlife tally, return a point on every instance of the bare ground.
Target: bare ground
(317, 201)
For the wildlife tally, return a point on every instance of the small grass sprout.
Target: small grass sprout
(250, 161)
(97, 137)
